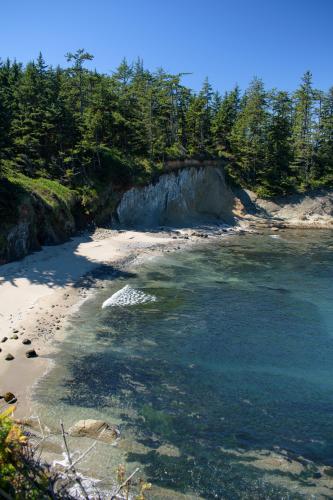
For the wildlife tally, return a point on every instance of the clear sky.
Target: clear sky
(229, 41)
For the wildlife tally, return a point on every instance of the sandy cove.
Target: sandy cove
(38, 293)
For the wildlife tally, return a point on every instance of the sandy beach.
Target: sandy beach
(38, 293)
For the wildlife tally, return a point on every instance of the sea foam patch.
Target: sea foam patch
(128, 296)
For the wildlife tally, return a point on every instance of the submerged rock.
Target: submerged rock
(168, 450)
(97, 429)
(328, 471)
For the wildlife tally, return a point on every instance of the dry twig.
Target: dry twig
(114, 496)
(77, 478)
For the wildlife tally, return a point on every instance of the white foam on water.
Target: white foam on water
(128, 296)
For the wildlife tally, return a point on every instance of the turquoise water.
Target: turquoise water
(235, 353)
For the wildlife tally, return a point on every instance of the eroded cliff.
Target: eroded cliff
(187, 196)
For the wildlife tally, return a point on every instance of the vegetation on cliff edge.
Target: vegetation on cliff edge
(72, 139)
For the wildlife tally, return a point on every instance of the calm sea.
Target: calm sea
(204, 353)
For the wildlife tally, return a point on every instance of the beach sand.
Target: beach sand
(39, 292)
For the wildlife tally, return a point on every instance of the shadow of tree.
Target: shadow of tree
(57, 266)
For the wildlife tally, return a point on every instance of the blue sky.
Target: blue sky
(229, 41)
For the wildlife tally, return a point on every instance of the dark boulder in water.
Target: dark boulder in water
(4, 339)
(26, 341)
(9, 357)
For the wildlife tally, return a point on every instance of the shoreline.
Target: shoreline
(43, 307)
(39, 294)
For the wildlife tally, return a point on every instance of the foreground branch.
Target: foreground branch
(114, 497)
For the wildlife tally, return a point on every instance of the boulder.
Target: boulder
(4, 339)
(31, 353)
(14, 337)
(328, 471)
(97, 429)
(9, 397)
(26, 341)
(9, 357)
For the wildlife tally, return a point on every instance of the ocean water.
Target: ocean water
(231, 352)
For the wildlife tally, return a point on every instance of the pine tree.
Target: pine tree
(9, 76)
(248, 137)
(31, 121)
(199, 121)
(79, 74)
(225, 116)
(325, 139)
(303, 129)
(73, 124)
(279, 152)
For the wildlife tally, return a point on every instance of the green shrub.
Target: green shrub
(20, 476)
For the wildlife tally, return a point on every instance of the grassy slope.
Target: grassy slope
(49, 211)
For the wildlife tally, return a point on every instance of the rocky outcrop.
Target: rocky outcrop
(187, 196)
(41, 212)
(195, 195)
(313, 209)
(28, 221)
(184, 195)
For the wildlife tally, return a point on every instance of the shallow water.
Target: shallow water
(236, 352)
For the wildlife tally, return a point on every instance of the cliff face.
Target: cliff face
(34, 214)
(200, 194)
(187, 196)
(29, 221)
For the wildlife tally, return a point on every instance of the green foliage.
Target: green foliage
(52, 192)
(82, 129)
(20, 477)
(249, 135)
(226, 112)
(303, 129)
(24, 477)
